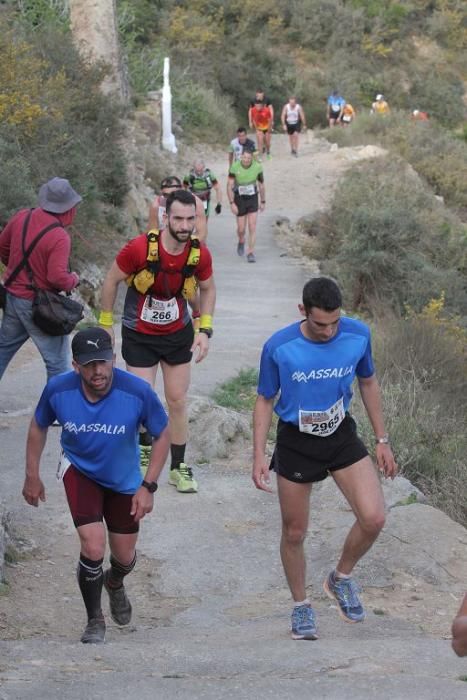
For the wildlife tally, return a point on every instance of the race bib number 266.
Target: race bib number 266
(160, 311)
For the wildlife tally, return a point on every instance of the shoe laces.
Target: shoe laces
(348, 591)
(304, 614)
(185, 470)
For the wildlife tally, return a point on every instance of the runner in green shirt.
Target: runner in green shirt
(245, 181)
(200, 181)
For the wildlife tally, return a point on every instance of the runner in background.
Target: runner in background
(260, 96)
(348, 114)
(293, 119)
(380, 106)
(200, 181)
(245, 181)
(261, 121)
(335, 106)
(157, 218)
(240, 144)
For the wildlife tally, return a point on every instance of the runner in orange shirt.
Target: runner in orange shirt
(260, 120)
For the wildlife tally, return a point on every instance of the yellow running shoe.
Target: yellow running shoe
(182, 478)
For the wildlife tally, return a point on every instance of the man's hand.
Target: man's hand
(262, 206)
(218, 208)
(33, 491)
(141, 504)
(284, 127)
(234, 208)
(261, 475)
(200, 347)
(386, 462)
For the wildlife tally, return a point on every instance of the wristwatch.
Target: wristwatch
(151, 486)
(383, 440)
(207, 331)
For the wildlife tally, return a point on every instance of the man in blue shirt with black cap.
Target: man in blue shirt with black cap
(100, 409)
(311, 366)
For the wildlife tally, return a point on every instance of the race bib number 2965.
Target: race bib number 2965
(322, 423)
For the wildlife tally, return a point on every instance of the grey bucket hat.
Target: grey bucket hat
(58, 196)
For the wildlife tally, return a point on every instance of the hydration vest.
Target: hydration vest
(205, 177)
(143, 280)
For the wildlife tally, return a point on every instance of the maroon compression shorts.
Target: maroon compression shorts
(92, 503)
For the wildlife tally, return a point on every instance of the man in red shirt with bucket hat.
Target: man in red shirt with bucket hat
(49, 263)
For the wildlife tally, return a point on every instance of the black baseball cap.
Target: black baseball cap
(91, 345)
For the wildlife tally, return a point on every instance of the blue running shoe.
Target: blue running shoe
(303, 623)
(345, 591)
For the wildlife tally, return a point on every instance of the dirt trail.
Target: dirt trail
(211, 605)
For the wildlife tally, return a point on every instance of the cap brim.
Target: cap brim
(100, 356)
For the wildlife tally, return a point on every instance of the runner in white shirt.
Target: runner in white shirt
(293, 119)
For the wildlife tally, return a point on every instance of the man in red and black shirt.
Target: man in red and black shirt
(156, 325)
(49, 262)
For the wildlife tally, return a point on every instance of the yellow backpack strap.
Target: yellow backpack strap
(190, 283)
(143, 280)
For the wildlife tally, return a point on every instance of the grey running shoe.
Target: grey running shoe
(241, 249)
(304, 623)
(345, 591)
(120, 606)
(251, 257)
(94, 632)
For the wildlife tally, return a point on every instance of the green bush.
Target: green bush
(391, 240)
(422, 368)
(437, 155)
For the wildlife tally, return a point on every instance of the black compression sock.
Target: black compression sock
(177, 453)
(90, 575)
(118, 571)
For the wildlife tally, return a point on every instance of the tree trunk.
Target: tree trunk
(94, 28)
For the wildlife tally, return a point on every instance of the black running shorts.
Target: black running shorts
(292, 128)
(305, 458)
(143, 350)
(246, 204)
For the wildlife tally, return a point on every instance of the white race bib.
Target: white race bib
(63, 465)
(246, 190)
(160, 311)
(346, 118)
(161, 217)
(322, 423)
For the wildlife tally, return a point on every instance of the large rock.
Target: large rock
(213, 428)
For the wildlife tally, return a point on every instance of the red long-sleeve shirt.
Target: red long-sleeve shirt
(49, 260)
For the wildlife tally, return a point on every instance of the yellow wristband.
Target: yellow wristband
(205, 321)
(106, 318)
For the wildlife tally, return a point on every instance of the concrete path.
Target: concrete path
(211, 605)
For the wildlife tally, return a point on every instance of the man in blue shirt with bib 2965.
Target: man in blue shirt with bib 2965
(312, 365)
(100, 409)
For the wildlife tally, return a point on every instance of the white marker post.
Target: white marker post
(168, 139)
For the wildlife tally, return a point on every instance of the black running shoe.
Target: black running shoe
(120, 606)
(94, 632)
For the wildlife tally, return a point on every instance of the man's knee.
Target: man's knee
(92, 542)
(373, 523)
(294, 533)
(176, 404)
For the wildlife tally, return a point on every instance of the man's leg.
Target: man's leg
(13, 334)
(252, 218)
(361, 487)
(145, 439)
(176, 384)
(90, 579)
(294, 502)
(267, 138)
(241, 228)
(260, 140)
(122, 562)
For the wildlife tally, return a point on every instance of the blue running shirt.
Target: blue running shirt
(101, 439)
(312, 376)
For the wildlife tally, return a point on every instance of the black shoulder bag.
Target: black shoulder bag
(52, 312)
